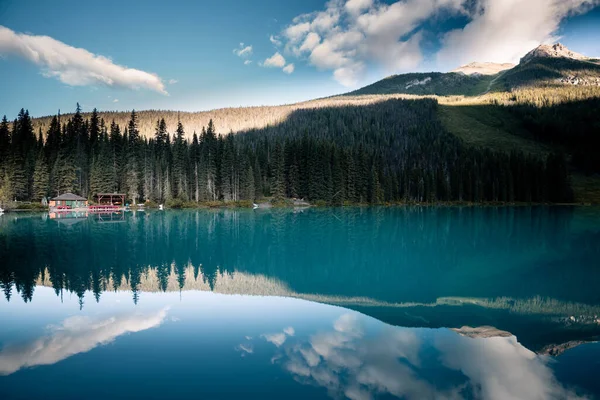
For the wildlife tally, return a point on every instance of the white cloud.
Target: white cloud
(504, 31)
(275, 40)
(288, 69)
(75, 66)
(247, 62)
(115, 100)
(275, 61)
(243, 51)
(296, 32)
(173, 81)
(75, 335)
(311, 41)
(349, 76)
(357, 6)
(350, 36)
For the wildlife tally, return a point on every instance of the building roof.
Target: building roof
(69, 196)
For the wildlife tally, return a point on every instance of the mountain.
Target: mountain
(433, 83)
(486, 68)
(556, 50)
(547, 103)
(469, 80)
(518, 135)
(551, 65)
(544, 65)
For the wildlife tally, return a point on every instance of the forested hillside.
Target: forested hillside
(552, 72)
(393, 151)
(510, 137)
(433, 83)
(225, 120)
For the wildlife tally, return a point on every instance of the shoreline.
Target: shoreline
(268, 205)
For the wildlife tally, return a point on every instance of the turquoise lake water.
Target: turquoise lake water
(358, 303)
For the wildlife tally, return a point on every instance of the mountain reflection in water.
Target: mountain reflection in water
(411, 363)
(513, 284)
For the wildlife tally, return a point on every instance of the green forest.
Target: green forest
(392, 151)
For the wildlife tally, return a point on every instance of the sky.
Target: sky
(202, 55)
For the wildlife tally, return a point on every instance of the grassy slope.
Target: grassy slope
(488, 126)
(586, 188)
(478, 124)
(441, 84)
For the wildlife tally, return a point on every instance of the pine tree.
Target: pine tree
(194, 162)
(249, 189)
(53, 140)
(132, 179)
(337, 176)
(41, 178)
(210, 155)
(227, 170)
(278, 178)
(4, 145)
(94, 127)
(17, 178)
(6, 189)
(179, 163)
(64, 173)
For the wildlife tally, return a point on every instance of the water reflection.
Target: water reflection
(349, 361)
(393, 255)
(236, 346)
(533, 270)
(74, 335)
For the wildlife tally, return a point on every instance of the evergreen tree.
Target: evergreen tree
(278, 177)
(41, 178)
(132, 180)
(179, 163)
(228, 170)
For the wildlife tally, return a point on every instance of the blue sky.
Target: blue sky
(184, 52)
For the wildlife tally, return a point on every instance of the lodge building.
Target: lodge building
(68, 200)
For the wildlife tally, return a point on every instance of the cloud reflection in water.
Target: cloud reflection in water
(351, 363)
(75, 335)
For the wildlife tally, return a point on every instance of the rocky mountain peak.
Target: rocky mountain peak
(483, 68)
(556, 50)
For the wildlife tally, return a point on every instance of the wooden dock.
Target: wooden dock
(104, 208)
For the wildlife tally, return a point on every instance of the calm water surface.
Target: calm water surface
(415, 303)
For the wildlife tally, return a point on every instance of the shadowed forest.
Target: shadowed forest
(393, 151)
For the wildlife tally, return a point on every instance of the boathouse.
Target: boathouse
(113, 199)
(68, 200)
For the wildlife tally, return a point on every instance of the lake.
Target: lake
(358, 303)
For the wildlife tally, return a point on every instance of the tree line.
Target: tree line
(393, 151)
